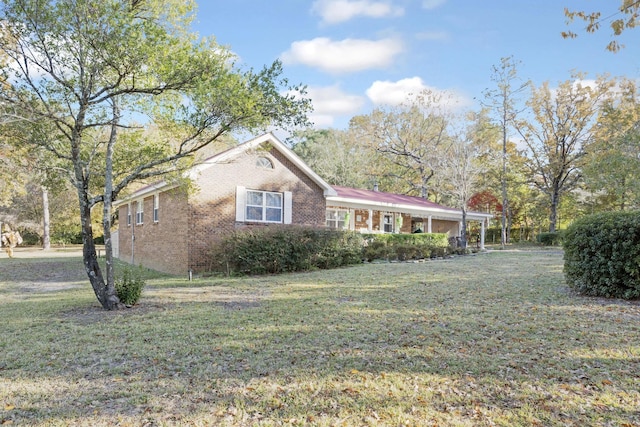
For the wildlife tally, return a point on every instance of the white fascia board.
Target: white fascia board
(256, 142)
(392, 207)
(298, 162)
(143, 192)
(436, 213)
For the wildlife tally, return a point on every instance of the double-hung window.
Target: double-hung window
(129, 214)
(336, 218)
(388, 224)
(139, 212)
(264, 206)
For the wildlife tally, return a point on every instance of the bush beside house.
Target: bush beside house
(602, 255)
(272, 250)
(283, 249)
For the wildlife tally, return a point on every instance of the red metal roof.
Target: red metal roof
(391, 198)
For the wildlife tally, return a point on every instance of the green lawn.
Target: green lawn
(493, 339)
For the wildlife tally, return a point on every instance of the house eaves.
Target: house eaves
(229, 155)
(255, 143)
(390, 202)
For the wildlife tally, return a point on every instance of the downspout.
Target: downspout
(133, 235)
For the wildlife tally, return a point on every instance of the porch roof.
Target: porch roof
(416, 206)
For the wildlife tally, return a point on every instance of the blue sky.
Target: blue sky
(354, 55)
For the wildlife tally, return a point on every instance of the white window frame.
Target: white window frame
(387, 227)
(156, 208)
(128, 214)
(241, 206)
(264, 207)
(335, 218)
(140, 212)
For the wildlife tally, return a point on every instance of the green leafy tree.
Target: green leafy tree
(612, 163)
(557, 134)
(410, 137)
(95, 69)
(338, 156)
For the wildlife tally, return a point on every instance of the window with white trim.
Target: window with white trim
(388, 224)
(264, 206)
(336, 218)
(156, 207)
(128, 214)
(139, 212)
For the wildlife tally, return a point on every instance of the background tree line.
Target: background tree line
(538, 155)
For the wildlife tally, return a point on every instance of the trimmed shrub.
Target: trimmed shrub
(403, 247)
(602, 255)
(129, 285)
(272, 250)
(550, 239)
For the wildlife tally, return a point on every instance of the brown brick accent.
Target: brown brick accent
(190, 223)
(158, 245)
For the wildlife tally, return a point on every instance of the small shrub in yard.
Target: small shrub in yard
(550, 239)
(129, 286)
(602, 255)
(403, 247)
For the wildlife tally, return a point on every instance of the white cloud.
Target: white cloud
(344, 56)
(337, 11)
(405, 90)
(432, 4)
(330, 102)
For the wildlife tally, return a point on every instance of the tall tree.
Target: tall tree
(559, 131)
(463, 163)
(94, 69)
(411, 137)
(338, 156)
(502, 101)
(612, 164)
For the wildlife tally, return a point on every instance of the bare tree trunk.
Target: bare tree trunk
(46, 237)
(503, 182)
(553, 214)
(463, 232)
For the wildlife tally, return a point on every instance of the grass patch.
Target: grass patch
(493, 339)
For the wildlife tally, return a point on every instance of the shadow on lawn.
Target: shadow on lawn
(373, 337)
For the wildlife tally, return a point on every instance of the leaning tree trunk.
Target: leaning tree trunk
(46, 236)
(105, 294)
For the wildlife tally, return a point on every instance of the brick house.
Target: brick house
(168, 228)
(260, 182)
(373, 211)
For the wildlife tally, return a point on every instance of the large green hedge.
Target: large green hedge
(602, 255)
(285, 249)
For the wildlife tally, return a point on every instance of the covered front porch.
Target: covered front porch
(369, 211)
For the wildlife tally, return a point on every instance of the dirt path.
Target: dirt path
(35, 252)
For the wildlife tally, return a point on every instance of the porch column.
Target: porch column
(429, 224)
(482, 230)
(370, 221)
